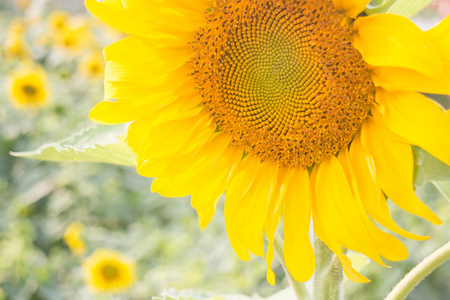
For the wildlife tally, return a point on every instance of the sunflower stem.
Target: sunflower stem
(328, 274)
(416, 275)
(298, 287)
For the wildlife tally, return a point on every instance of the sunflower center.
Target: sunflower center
(29, 90)
(109, 272)
(282, 77)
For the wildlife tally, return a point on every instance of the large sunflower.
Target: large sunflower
(297, 108)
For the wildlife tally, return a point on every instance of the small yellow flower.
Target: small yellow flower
(72, 39)
(15, 47)
(92, 65)
(72, 237)
(14, 44)
(28, 87)
(58, 20)
(109, 271)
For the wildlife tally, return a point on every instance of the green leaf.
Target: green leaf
(99, 143)
(405, 8)
(430, 169)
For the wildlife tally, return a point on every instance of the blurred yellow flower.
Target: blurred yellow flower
(27, 87)
(72, 237)
(58, 20)
(14, 44)
(92, 65)
(72, 39)
(109, 271)
(68, 39)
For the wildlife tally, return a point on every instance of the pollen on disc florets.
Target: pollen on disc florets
(282, 77)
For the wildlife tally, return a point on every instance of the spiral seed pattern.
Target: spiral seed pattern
(282, 77)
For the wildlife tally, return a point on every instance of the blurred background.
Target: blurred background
(56, 218)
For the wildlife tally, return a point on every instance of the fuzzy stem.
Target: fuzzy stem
(416, 275)
(328, 275)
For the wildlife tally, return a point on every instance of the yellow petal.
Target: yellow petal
(205, 196)
(273, 216)
(246, 206)
(372, 197)
(394, 41)
(298, 252)
(323, 235)
(174, 105)
(352, 8)
(181, 179)
(402, 79)
(238, 187)
(168, 138)
(339, 212)
(393, 163)
(351, 273)
(171, 13)
(418, 120)
(109, 11)
(113, 13)
(395, 79)
(270, 277)
(153, 161)
(252, 210)
(134, 59)
(440, 37)
(386, 245)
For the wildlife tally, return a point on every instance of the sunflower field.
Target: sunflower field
(78, 221)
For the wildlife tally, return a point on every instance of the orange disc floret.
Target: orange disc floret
(282, 77)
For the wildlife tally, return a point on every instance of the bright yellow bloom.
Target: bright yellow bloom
(295, 108)
(92, 65)
(109, 271)
(27, 87)
(72, 237)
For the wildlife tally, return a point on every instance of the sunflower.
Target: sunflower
(27, 87)
(72, 238)
(108, 271)
(92, 65)
(294, 108)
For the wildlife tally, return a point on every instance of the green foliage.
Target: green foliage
(98, 143)
(430, 169)
(405, 8)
